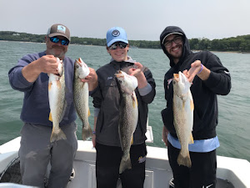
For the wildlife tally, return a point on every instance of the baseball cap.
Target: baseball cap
(116, 34)
(173, 33)
(59, 30)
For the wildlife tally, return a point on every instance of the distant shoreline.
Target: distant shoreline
(102, 42)
(233, 52)
(213, 51)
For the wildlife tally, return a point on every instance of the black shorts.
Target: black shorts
(201, 174)
(108, 160)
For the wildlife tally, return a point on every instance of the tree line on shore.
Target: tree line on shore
(238, 44)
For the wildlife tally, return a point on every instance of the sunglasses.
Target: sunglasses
(114, 46)
(64, 42)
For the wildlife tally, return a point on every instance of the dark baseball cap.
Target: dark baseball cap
(172, 33)
(59, 30)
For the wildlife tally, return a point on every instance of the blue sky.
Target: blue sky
(142, 19)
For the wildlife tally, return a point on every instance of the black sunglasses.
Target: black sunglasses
(64, 42)
(114, 46)
(176, 40)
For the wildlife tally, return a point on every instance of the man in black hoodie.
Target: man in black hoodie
(210, 78)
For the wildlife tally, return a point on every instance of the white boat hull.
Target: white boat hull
(158, 171)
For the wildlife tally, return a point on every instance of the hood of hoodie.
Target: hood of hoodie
(186, 48)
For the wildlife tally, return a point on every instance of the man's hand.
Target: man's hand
(197, 69)
(136, 71)
(46, 64)
(91, 79)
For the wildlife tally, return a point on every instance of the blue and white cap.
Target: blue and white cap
(116, 34)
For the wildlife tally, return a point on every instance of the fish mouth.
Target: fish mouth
(176, 77)
(78, 61)
(119, 74)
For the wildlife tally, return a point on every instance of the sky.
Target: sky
(142, 19)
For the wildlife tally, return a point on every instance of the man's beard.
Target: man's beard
(52, 51)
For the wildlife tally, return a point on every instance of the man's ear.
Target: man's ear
(46, 38)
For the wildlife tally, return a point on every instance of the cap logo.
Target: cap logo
(61, 28)
(116, 33)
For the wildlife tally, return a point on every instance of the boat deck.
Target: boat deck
(231, 172)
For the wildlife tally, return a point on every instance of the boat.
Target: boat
(231, 172)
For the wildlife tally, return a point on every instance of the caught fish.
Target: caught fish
(183, 108)
(81, 96)
(57, 103)
(128, 116)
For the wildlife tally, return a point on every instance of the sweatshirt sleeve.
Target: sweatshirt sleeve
(16, 78)
(219, 80)
(149, 97)
(97, 97)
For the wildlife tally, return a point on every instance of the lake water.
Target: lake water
(234, 109)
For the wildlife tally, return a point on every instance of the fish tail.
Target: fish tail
(125, 164)
(86, 132)
(57, 135)
(184, 160)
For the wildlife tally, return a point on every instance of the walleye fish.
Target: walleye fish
(183, 116)
(128, 116)
(81, 96)
(57, 103)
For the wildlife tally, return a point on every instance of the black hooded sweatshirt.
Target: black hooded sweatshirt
(204, 92)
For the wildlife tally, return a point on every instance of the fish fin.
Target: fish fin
(134, 99)
(89, 113)
(50, 117)
(183, 103)
(125, 164)
(58, 83)
(132, 140)
(192, 105)
(57, 135)
(184, 160)
(64, 110)
(191, 141)
(86, 132)
(49, 86)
